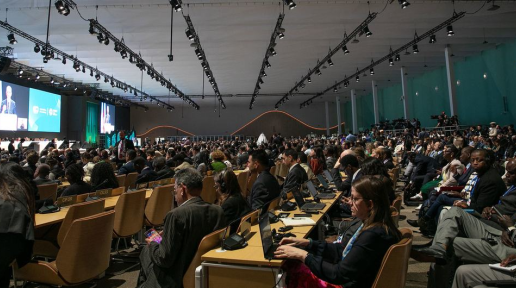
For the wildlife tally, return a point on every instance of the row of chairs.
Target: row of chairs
(82, 248)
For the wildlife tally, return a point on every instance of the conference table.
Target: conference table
(57, 217)
(248, 267)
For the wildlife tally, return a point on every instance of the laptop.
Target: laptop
(310, 186)
(326, 186)
(306, 206)
(327, 174)
(269, 247)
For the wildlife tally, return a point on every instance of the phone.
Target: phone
(497, 212)
(153, 235)
(285, 228)
(302, 215)
(283, 215)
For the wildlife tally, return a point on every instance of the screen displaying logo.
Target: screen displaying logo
(44, 111)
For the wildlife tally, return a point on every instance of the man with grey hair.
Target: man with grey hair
(164, 264)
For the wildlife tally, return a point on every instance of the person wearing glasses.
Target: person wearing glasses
(356, 261)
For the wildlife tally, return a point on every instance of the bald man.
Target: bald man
(8, 105)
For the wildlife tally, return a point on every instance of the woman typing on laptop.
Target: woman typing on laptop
(354, 262)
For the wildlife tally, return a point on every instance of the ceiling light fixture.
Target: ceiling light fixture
(449, 29)
(290, 3)
(432, 39)
(404, 3)
(12, 39)
(176, 4)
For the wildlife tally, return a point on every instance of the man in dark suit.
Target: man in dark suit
(266, 187)
(242, 156)
(10, 148)
(128, 167)
(464, 159)
(296, 174)
(146, 174)
(423, 165)
(164, 264)
(123, 145)
(8, 105)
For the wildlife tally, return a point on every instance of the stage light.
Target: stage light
(415, 50)
(281, 35)
(76, 66)
(357, 78)
(290, 3)
(330, 62)
(65, 84)
(272, 52)
(37, 76)
(106, 80)
(267, 64)
(264, 74)
(11, 39)
(97, 76)
(91, 72)
(112, 83)
(75, 88)
(450, 30)
(45, 60)
(345, 49)
(176, 4)
(391, 62)
(335, 90)
(20, 71)
(397, 58)
(318, 72)
(64, 60)
(404, 3)
(433, 39)
(37, 48)
(309, 80)
(83, 69)
(189, 34)
(117, 47)
(367, 32)
(123, 53)
(198, 53)
(260, 80)
(371, 71)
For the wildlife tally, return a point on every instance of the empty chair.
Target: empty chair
(84, 254)
(50, 248)
(209, 242)
(242, 181)
(48, 191)
(121, 180)
(160, 203)
(129, 214)
(130, 181)
(208, 194)
(393, 271)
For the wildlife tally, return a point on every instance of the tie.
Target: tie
(8, 107)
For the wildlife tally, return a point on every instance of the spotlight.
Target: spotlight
(37, 76)
(198, 53)
(176, 4)
(51, 80)
(123, 53)
(330, 62)
(290, 3)
(37, 48)
(335, 90)
(65, 84)
(318, 72)
(64, 60)
(106, 80)
(397, 58)
(345, 49)
(272, 52)
(303, 85)
(11, 39)
(117, 47)
(415, 50)
(112, 83)
(404, 3)
(91, 72)
(92, 30)
(267, 64)
(83, 69)
(433, 39)
(371, 71)
(260, 80)
(309, 79)
(367, 32)
(75, 88)
(450, 30)
(59, 5)
(106, 41)
(357, 78)
(204, 65)
(391, 62)
(100, 37)
(264, 74)
(189, 34)
(20, 71)
(45, 60)
(76, 66)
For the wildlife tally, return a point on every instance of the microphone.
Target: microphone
(94, 188)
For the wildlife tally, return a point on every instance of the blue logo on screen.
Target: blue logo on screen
(44, 111)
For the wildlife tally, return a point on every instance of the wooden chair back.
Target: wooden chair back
(78, 211)
(253, 216)
(250, 182)
(393, 271)
(283, 170)
(395, 216)
(208, 243)
(208, 194)
(397, 203)
(84, 253)
(159, 204)
(48, 191)
(121, 180)
(274, 171)
(129, 213)
(118, 191)
(130, 180)
(274, 203)
(242, 182)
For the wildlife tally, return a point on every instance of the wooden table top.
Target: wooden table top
(52, 218)
(253, 253)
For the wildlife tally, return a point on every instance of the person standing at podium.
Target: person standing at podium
(8, 105)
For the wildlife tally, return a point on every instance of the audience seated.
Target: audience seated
(17, 219)
(128, 167)
(41, 175)
(74, 174)
(164, 264)
(103, 177)
(145, 173)
(296, 174)
(266, 187)
(161, 168)
(230, 196)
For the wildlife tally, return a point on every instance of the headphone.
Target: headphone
(222, 181)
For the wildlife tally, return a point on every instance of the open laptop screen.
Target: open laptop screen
(322, 181)
(327, 174)
(265, 233)
(311, 188)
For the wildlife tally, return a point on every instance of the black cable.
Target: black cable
(80, 15)
(274, 277)
(386, 3)
(171, 29)
(485, 2)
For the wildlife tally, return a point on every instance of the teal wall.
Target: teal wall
(479, 100)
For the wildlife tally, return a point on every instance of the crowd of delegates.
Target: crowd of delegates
(472, 158)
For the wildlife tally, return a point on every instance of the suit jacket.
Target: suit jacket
(165, 264)
(128, 145)
(146, 175)
(264, 189)
(77, 189)
(462, 180)
(127, 168)
(507, 203)
(235, 207)
(164, 173)
(295, 177)
(389, 165)
(360, 266)
(11, 109)
(10, 148)
(423, 165)
(487, 190)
